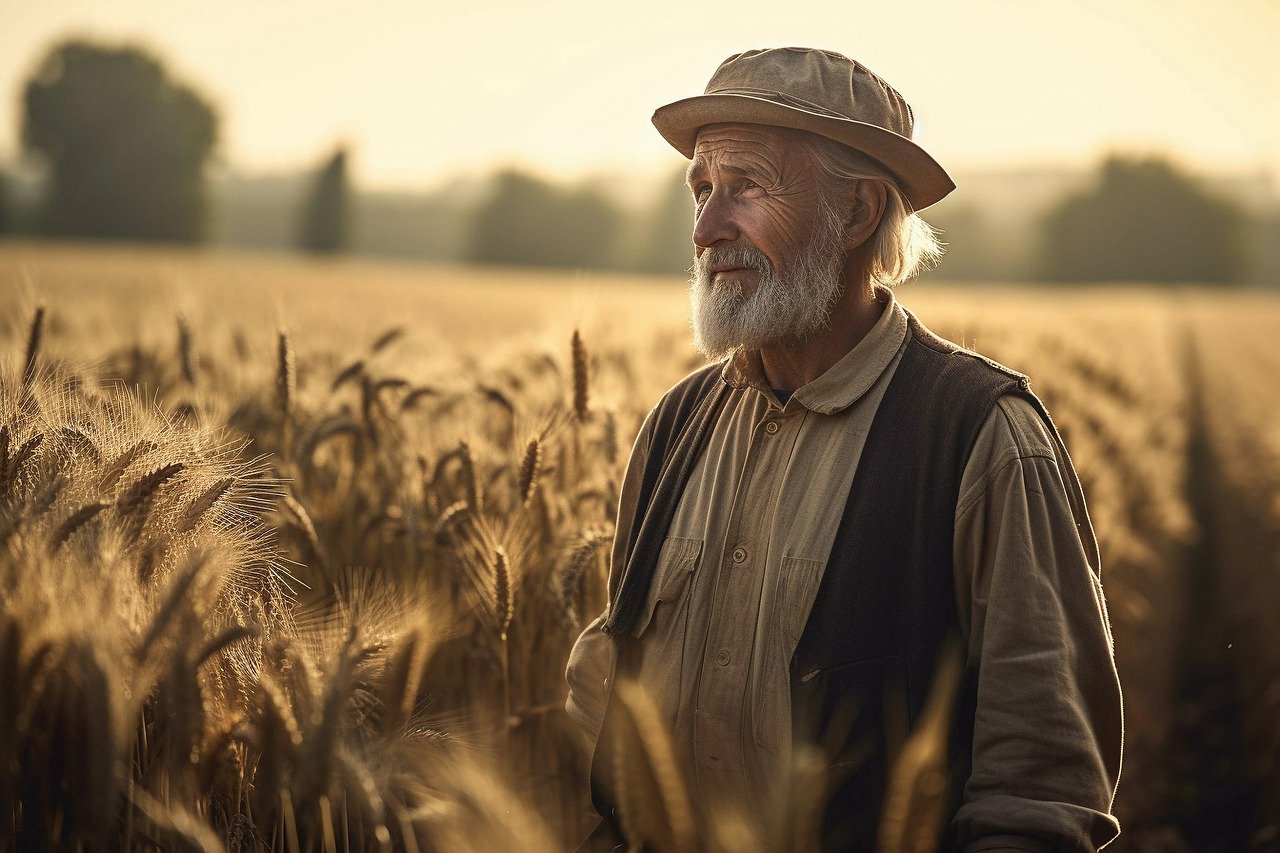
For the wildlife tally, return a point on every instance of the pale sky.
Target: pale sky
(427, 89)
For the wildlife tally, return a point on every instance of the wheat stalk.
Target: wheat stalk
(302, 522)
(916, 797)
(419, 393)
(653, 799)
(352, 371)
(400, 684)
(386, 339)
(173, 600)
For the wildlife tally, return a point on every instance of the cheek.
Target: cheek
(779, 229)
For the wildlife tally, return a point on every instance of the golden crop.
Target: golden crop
(292, 555)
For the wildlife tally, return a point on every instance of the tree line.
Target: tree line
(128, 149)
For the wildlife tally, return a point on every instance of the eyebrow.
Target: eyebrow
(697, 167)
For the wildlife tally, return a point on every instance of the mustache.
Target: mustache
(740, 254)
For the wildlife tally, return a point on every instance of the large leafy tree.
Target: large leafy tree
(126, 143)
(1143, 220)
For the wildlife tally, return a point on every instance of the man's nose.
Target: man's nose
(715, 223)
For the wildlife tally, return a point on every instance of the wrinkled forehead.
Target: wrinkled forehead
(739, 146)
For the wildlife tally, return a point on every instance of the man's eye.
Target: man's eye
(750, 185)
(701, 191)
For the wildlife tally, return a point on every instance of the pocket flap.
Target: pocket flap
(676, 561)
(797, 585)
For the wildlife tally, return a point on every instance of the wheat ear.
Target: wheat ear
(203, 503)
(530, 467)
(186, 354)
(469, 480)
(580, 389)
(286, 389)
(34, 336)
(73, 523)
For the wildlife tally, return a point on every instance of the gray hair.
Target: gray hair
(903, 244)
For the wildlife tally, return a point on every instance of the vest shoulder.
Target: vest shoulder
(694, 384)
(970, 362)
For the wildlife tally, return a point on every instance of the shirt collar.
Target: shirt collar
(842, 383)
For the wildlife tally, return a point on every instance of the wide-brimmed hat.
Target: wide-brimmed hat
(817, 90)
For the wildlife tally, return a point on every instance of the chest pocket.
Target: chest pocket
(668, 592)
(794, 588)
(662, 624)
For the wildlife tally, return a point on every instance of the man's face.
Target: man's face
(768, 255)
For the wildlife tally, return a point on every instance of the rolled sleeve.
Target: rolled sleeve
(1048, 727)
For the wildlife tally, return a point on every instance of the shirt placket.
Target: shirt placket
(719, 721)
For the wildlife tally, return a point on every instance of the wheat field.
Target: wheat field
(292, 553)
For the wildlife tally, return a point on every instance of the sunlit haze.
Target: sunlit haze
(423, 91)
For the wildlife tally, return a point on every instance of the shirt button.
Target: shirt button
(722, 657)
(771, 427)
(739, 555)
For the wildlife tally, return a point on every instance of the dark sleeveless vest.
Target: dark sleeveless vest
(885, 607)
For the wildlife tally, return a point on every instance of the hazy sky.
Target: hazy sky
(423, 89)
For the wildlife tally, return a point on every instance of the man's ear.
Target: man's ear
(869, 200)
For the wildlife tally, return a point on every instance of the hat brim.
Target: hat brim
(922, 179)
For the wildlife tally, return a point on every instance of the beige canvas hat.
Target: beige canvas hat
(817, 90)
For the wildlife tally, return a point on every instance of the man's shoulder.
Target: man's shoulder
(1013, 431)
(700, 378)
(1022, 427)
(678, 402)
(690, 388)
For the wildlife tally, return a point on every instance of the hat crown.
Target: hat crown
(821, 81)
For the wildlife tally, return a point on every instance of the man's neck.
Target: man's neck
(792, 367)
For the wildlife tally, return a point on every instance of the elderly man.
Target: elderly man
(808, 521)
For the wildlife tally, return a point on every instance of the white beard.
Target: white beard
(788, 308)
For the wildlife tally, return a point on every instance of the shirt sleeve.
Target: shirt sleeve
(591, 658)
(1048, 728)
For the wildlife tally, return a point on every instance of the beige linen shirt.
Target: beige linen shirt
(743, 558)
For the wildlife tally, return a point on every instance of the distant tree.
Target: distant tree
(1264, 248)
(668, 242)
(966, 234)
(326, 215)
(1143, 220)
(526, 220)
(127, 144)
(6, 214)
